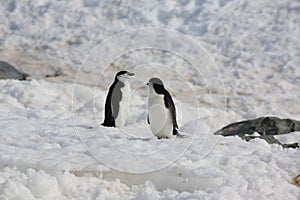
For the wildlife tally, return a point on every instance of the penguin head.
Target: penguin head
(155, 82)
(123, 75)
(156, 87)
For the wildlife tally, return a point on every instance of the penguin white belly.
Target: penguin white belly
(123, 106)
(160, 117)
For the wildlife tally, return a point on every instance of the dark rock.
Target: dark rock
(262, 125)
(9, 72)
(266, 127)
(270, 139)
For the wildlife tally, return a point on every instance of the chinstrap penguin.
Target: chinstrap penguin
(161, 110)
(118, 100)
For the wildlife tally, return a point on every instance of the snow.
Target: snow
(52, 146)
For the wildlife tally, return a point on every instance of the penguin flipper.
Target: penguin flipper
(171, 106)
(148, 119)
(116, 99)
(108, 114)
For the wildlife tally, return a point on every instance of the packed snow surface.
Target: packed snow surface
(52, 144)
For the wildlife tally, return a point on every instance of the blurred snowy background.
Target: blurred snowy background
(255, 44)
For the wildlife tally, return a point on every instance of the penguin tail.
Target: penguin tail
(175, 131)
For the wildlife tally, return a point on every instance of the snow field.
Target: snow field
(44, 157)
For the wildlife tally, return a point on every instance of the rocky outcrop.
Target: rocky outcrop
(296, 180)
(266, 127)
(7, 71)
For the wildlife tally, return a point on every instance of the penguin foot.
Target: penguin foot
(181, 135)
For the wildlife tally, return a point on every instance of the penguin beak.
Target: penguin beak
(129, 74)
(126, 76)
